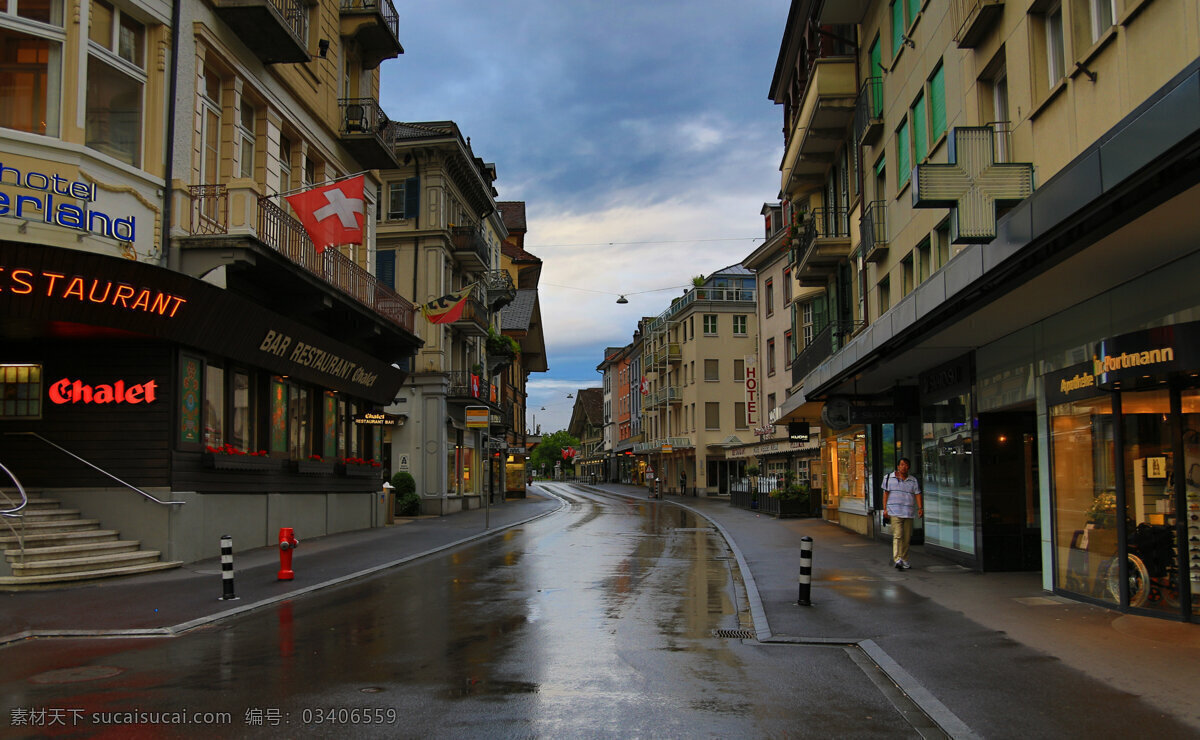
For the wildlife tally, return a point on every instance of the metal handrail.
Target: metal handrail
(96, 468)
(14, 513)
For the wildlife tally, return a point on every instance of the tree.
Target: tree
(549, 450)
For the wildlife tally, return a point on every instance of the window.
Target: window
(917, 116)
(693, 373)
(906, 275)
(395, 201)
(285, 164)
(885, 299)
(770, 302)
(1102, 14)
(711, 370)
(210, 129)
(245, 135)
(739, 326)
(710, 324)
(789, 343)
(20, 391)
(903, 152)
(385, 267)
(214, 406)
(899, 26)
(942, 234)
(787, 287)
(739, 371)
(924, 261)
(1055, 50)
(242, 427)
(806, 322)
(712, 415)
(31, 69)
(115, 78)
(771, 356)
(770, 401)
(740, 421)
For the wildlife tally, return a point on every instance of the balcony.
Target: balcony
(469, 387)
(375, 26)
(365, 131)
(668, 353)
(824, 243)
(500, 289)
(275, 30)
(220, 212)
(470, 248)
(476, 318)
(820, 125)
(868, 112)
(829, 340)
(973, 19)
(874, 231)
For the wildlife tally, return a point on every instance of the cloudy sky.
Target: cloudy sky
(639, 135)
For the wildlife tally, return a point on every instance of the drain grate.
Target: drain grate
(737, 634)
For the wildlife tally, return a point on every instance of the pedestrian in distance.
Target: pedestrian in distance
(902, 502)
(682, 482)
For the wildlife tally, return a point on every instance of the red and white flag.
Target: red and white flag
(332, 214)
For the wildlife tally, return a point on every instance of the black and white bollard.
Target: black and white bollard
(227, 568)
(806, 544)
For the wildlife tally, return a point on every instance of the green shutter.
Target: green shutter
(914, 7)
(876, 71)
(902, 154)
(879, 166)
(920, 145)
(385, 267)
(937, 104)
(897, 25)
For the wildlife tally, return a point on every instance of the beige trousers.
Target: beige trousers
(901, 534)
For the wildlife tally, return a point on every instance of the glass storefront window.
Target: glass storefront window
(241, 434)
(1153, 570)
(298, 423)
(1190, 470)
(214, 406)
(1085, 516)
(30, 70)
(949, 477)
(20, 391)
(846, 456)
(279, 404)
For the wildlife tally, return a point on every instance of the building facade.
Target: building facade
(700, 395)
(179, 361)
(440, 233)
(1002, 235)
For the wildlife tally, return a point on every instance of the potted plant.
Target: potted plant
(698, 284)
(314, 465)
(795, 499)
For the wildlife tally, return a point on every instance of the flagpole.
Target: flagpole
(316, 185)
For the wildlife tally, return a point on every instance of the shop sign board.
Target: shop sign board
(402, 463)
(379, 419)
(477, 417)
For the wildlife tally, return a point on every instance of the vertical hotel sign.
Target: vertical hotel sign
(752, 400)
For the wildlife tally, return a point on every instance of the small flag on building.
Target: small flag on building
(332, 214)
(449, 308)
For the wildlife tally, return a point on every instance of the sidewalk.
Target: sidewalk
(967, 637)
(167, 602)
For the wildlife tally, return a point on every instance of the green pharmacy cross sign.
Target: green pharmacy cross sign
(972, 184)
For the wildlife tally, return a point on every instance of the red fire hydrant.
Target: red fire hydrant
(287, 543)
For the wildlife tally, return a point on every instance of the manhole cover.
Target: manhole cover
(737, 634)
(77, 674)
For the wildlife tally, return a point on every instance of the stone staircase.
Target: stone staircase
(63, 547)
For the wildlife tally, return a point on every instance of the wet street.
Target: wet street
(610, 618)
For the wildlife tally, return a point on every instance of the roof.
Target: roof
(591, 402)
(518, 254)
(517, 315)
(513, 213)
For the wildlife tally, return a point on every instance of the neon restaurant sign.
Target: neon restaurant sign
(52, 203)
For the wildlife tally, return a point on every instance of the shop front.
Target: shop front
(1125, 432)
(175, 386)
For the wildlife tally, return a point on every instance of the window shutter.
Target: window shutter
(876, 90)
(385, 267)
(937, 104)
(902, 154)
(897, 25)
(914, 7)
(412, 197)
(918, 129)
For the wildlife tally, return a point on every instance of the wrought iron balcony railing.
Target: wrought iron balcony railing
(832, 338)
(275, 229)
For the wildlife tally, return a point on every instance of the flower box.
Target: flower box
(245, 463)
(360, 470)
(313, 467)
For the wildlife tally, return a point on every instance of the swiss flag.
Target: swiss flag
(333, 214)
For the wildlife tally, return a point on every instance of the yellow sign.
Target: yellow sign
(477, 417)
(668, 448)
